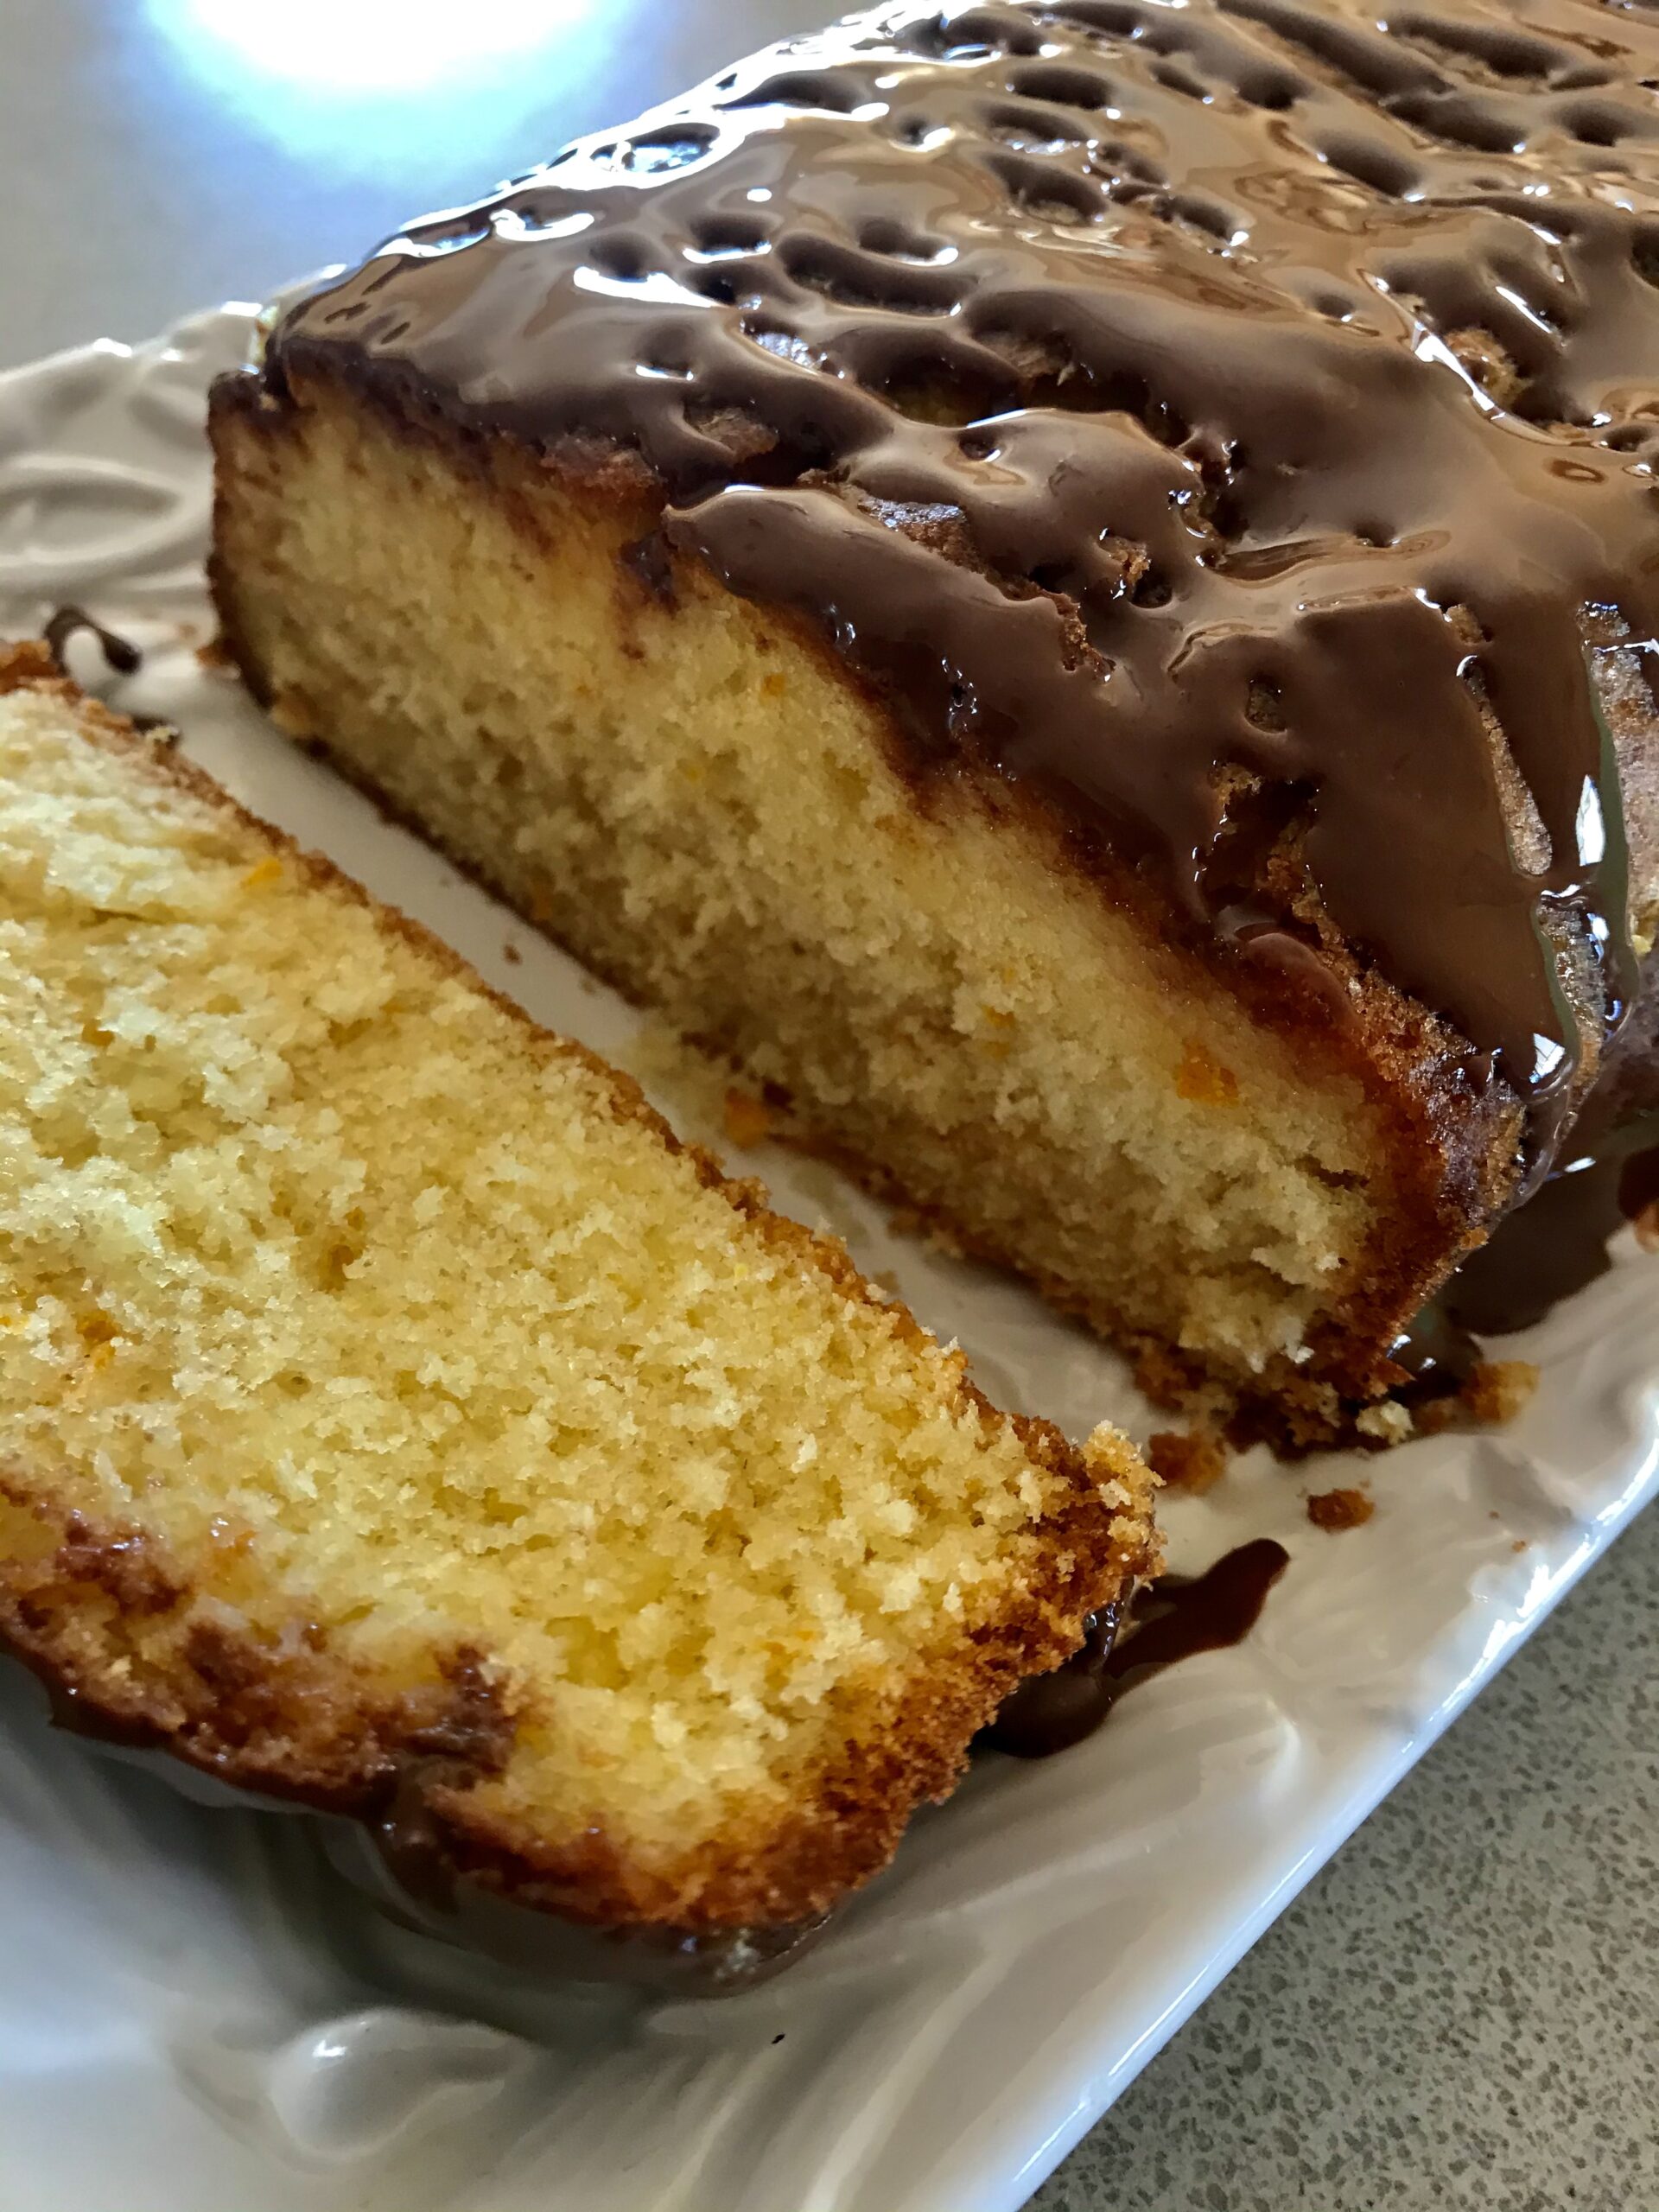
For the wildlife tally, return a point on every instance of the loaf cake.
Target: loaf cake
(1073, 587)
(395, 1418)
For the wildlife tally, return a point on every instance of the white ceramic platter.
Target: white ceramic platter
(196, 2017)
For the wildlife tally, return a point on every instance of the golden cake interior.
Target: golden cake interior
(697, 800)
(359, 1338)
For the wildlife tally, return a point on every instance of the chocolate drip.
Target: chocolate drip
(1554, 1244)
(1543, 1251)
(1050, 1713)
(1539, 1255)
(400, 1864)
(1437, 1355)
(1173, 1619)
(123, 656)
(1165, 409)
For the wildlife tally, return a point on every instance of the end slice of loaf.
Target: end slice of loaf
(391, 1411)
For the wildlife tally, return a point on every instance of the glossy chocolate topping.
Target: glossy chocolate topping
(398, 1866)
(1606, 1175)
(123, 656)
(1175, 1617)
(1555, 1244)
(1541, 1254)
(1204, 415)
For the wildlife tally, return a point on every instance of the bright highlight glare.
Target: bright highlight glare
(1592, 829)
(368, 45)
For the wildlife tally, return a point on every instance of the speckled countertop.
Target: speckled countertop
(1462, 2010)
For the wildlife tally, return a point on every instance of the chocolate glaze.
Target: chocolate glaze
(1173, 1619)
(1050, 1713)
(396, 1863)
(1554, 1244)
(1435, 1355)
(1537, 1255)
(670, 1960)
(123, 656)
(1172, 412)
(1543, 1251)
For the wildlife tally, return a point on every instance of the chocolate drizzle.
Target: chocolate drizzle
(1165, 409)
(1539, 1255)
(123, 656)
(1554, 1244)
(124, 659)
(1175, 1617)
(1543, 1251)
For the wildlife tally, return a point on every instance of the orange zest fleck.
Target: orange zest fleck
(748, 1119)
(1203, 1079)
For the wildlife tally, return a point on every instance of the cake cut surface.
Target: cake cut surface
(392, 1413)
(1070, 583)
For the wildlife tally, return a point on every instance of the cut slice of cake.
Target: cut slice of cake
(393, 1417)
(1071, 585)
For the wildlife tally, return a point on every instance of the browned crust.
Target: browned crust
(1452, 1153)
(107, 1619)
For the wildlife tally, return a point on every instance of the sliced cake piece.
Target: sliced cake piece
(394, 1417)
(1072, 585)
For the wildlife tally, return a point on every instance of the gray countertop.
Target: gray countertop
(1463, 2009)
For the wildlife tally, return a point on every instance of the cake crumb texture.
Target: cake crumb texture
(1007, 569)
(378, 1382)
(1190, 1460)
(952, 1010)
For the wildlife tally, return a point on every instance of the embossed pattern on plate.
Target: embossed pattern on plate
(197, 2014)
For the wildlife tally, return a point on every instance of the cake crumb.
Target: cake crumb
(511, 955)
(934, 1234)
(1483, 358)
(1164, 1376)
(1334, 1509)
(1646, 1225)
(1495, 1392)
(1435, 1415)
(1192, 1459)
(292, 718)
(1203, 1079)
(1388, 1423)
(1498, 1389)
(653, 1459)
(747, 1119)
